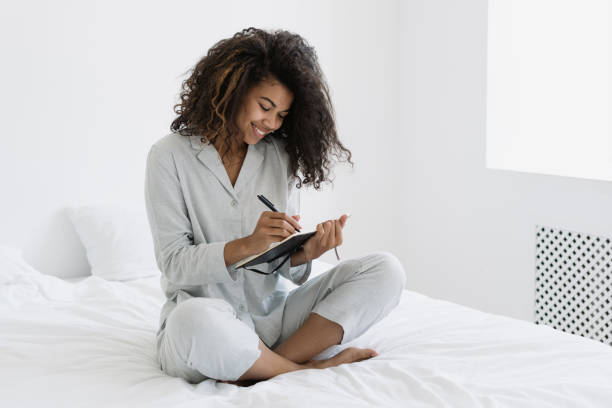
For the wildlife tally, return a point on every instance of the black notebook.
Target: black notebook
(284, 247)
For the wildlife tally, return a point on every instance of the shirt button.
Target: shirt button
(242, 308)
(234, 203)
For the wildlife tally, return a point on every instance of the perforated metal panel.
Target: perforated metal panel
(574, 283)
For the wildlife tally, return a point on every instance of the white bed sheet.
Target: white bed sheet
(92, 343)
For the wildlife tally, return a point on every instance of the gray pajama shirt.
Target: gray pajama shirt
(215, 314)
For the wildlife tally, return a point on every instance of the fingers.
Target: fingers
(290, 220)
(279, 233)
(321, 234)
(343, 219)
(330, 230)
(276, 226)
(281, 227)
(320, 231)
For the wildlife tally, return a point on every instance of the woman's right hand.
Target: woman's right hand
(272, 227)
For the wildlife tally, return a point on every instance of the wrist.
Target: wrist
(237, 250)
(299, 258)
(247, 246)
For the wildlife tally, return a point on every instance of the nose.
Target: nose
(271, 121)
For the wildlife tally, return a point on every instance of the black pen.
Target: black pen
(271, 206)
(268, 204)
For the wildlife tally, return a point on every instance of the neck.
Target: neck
(221, 147)
(232, 158)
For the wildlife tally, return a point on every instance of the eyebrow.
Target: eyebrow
(272, 102)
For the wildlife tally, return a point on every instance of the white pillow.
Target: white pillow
(117, 241)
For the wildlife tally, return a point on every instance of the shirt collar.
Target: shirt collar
(209, 157)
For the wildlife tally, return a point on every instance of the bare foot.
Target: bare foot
(347, 356)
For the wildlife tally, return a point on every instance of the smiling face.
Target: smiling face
(263, 110)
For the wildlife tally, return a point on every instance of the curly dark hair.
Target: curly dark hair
(212, 95)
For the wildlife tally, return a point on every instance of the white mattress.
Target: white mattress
(92, 343)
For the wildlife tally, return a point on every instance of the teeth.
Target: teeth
(259, 131)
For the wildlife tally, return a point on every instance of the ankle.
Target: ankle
(313, 364)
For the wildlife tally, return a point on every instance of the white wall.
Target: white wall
(549, 90)
(471, 230)
(88, 87)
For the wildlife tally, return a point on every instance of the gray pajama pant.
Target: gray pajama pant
(356, 293)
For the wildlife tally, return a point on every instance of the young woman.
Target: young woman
(254, 111)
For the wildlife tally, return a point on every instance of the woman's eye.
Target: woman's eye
(267, 109)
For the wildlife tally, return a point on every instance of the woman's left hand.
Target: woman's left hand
(328, 236)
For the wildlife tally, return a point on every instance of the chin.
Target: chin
(253, 140)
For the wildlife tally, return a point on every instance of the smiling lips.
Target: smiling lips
(258, 132)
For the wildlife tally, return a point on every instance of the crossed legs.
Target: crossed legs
(315, 335)
(309, 327)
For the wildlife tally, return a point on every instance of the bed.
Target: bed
(91, 342)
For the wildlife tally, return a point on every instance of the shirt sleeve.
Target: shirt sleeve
(296, 274)
(181, 262)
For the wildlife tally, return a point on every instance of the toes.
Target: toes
(367, 353)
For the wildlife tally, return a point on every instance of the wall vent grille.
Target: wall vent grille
(574, 283)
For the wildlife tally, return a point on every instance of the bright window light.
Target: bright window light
(548, 87)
